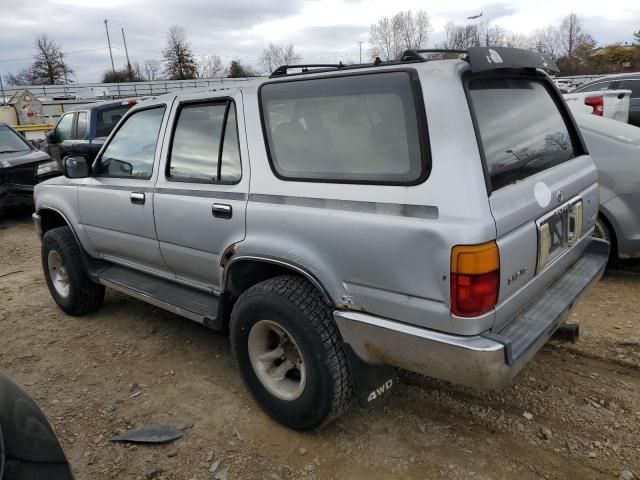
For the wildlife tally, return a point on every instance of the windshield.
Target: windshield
(10, 142)
(521, 128)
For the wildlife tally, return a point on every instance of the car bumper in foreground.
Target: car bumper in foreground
(490, 360)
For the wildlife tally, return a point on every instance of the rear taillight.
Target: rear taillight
(475, 279)
(597, 103)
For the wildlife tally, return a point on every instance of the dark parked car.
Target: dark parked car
(82, 131)
(22, 165)
(619, 82)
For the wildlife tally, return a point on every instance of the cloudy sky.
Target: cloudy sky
(321, 30)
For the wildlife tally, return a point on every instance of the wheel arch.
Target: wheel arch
(52, 218)
(243, 271)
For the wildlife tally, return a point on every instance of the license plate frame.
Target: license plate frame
(558, 231)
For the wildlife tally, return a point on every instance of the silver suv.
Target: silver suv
(428, 214)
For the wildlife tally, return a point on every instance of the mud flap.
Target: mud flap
(372, 383)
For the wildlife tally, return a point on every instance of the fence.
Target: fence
(122, 90)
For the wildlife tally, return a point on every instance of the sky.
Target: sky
(320, 30)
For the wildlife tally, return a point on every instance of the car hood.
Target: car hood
(8, 160)
(614, 129)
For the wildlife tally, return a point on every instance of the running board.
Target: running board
(193, 304)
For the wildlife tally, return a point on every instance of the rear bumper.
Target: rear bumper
(484, 361)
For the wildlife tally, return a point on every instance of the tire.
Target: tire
(65, 274)
(318, 389)
(602, 230)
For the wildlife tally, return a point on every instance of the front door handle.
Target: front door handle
(221, 210)
(137, 198)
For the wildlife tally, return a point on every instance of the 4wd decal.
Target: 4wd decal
(385, 387)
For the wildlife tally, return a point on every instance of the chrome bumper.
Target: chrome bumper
(490, 360)
(37, 222)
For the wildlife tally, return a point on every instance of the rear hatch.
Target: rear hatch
(542, 184)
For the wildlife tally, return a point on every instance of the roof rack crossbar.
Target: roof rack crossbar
(283, 69)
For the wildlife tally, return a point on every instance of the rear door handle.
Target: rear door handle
(221, 210)
(137, 198)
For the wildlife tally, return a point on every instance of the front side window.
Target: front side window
(521, 128)
(64, 127)
(131, 151)
(199, 153)
(353, 129)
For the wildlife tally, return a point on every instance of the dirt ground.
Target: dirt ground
(131, 364)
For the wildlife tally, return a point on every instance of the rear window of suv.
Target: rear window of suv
(521, 129)
(352, 129)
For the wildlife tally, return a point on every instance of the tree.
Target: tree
(124, 75)
(546, 40)
(276, 55)
(237, 70)
(517, 40)
(49, 67)
(180, 64)
(576, 44)
(209, 66)
(152, 69)
(461, 37)
(404, 31)
(491, 35)
(23, 77)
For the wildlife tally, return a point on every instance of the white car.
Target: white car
(612, 104)
(615, 149)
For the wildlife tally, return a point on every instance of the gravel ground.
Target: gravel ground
(574, 412)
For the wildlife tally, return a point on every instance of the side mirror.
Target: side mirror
(51, 136)
(76, 166)
(28, 446)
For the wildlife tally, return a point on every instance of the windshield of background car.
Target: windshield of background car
(521, 128)
(10, 142)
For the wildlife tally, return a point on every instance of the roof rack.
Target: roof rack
(480, 59)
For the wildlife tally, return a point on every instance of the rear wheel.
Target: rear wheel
(65, 274)
(603, 231)
(289, 352)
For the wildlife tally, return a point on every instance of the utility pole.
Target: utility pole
(113, 68)
(127, 53)
(360, 44)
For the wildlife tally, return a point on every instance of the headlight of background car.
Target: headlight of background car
(48, 167)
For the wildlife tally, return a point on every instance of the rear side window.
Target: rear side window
(633, 85)
(107, 118)
(81, 125)
(521, 129)
(596, 87)
(199, 152)
(351, 129)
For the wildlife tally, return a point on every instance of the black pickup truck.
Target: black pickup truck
(83, 130)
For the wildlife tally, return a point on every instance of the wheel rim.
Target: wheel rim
(58, 273)
(276, 360)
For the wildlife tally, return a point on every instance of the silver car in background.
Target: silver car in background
(615, 149)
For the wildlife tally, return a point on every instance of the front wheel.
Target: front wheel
(288, 350)
(65, 274)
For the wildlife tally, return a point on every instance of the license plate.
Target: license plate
(558, 231)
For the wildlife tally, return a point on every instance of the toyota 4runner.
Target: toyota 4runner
(428, 214)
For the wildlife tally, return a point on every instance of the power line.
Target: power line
(64, 53)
